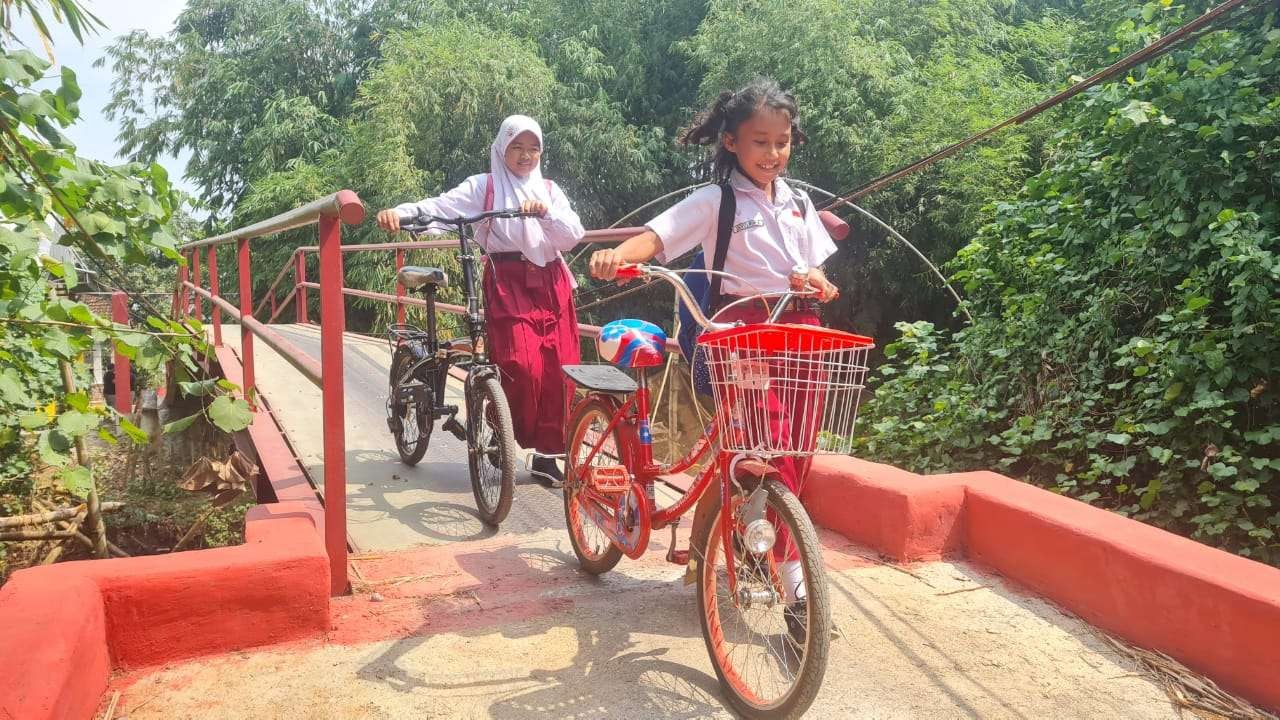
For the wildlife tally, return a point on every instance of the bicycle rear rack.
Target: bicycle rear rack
(401, 332)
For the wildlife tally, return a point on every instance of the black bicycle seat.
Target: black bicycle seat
(413, 277)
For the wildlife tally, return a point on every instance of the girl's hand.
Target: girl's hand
(605, 263)
(826, 290)
(536, 207)
(389, 220)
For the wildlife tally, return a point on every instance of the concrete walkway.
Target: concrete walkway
(389, 505)
(507, 628)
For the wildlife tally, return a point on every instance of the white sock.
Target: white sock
(793, 581)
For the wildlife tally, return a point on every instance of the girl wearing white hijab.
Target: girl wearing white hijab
(528, 291)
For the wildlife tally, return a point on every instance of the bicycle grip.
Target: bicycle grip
(629, 271)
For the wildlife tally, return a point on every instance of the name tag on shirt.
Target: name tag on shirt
(748, 224)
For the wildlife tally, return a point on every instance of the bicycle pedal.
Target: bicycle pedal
(455, 427)
(609, 478)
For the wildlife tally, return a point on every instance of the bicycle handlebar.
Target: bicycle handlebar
(425, 221)
(636, 271)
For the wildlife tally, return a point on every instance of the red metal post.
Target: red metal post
(332, 325)
(399, 287)
(299, 277)
(124, 388)
(273, 305)
(181, 297)
(195, 280)
(180, 293)
(246, 310)
(216, 312)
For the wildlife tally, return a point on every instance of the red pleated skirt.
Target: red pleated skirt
(532, 330)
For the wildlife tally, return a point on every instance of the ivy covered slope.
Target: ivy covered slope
(1127, 338)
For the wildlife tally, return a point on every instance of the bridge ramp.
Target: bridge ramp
(389, 505)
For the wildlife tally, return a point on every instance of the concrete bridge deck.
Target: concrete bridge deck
(389, 505)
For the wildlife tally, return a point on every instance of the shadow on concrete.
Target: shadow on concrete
(606, 658)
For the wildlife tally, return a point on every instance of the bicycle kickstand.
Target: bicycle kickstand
(679, 557)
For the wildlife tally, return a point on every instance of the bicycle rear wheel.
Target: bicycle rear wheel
(768, 646)
(410, 421)
(596, 552)
(492, 455)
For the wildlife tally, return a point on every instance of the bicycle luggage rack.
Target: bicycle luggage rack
(401, 332)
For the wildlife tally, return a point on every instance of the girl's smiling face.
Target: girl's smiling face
(523, 154)
(762, 144)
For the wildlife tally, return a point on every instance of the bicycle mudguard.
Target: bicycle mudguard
(629, 434)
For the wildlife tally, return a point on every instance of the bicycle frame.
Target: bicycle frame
(473, 318)
(634, 412)
(631, 418)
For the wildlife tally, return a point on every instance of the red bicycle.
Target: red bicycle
(783, 393)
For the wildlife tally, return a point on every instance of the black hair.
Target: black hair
(730, 110)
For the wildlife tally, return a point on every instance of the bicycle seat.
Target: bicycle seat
(414, 277)
(602, 378)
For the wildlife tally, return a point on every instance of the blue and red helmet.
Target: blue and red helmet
(632, 343)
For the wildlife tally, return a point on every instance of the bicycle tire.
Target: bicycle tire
(499, 443)
(811, 657)
(599, 557)
(410, 452)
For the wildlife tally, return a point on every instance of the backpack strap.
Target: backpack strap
(724, 228)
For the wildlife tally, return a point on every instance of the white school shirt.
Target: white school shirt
(561, 226)
(769, 238)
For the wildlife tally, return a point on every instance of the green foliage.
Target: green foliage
(72, 12)
(881, 84)
(1126, 347)
(115, 216)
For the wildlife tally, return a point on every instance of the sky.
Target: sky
(94, 135)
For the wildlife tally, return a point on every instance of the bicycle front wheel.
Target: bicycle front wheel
(769, 640)
(491, 456)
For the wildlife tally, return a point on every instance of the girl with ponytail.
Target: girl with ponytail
(775, 239)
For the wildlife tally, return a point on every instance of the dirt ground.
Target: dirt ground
(510, 629)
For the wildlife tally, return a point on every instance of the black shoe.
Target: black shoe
(797, 616)
(547, 470)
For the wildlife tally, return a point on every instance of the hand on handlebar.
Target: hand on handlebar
(605, 263)
(816, 280)
(536, 208)
(389, 220)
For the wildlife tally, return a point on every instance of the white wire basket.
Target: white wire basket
(786, 390)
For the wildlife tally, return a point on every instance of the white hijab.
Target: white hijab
(510, 190)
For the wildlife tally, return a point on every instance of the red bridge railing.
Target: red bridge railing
(297, 293)
(330, 213)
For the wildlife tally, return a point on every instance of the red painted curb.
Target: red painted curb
(900, 514)
(64, 628)
(53, 650)
(1215, 612)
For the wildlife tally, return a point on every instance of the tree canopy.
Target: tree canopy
(1125, 350)
(1117, 252)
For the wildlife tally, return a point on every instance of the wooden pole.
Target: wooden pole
(93, 515)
